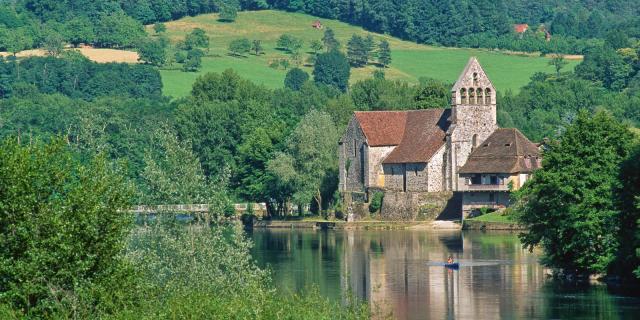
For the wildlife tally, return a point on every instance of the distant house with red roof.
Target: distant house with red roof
(317, 25)
(520, 28)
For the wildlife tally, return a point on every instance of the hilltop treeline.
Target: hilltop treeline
(468, 23)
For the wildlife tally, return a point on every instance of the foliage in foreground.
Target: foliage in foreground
(204, 272)
(570, 206)
(62, 232)
(67, 251)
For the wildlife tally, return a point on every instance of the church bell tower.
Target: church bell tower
(473, 119)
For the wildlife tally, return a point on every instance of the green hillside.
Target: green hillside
(410, 61)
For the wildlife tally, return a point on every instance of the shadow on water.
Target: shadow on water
(395, 272)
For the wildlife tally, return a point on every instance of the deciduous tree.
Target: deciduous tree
(569, 205)
(295, 78)
(332, 69)
(240, 47)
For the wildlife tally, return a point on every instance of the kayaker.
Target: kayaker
(450, 260)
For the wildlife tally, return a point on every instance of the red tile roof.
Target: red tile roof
(382, 128)
(504, 151)
(424, 135)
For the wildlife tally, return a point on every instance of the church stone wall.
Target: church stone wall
(375, 172)
(352, 155)
(393, 176)
(419, 206)
(436, 171)
(417, 177)
(473, 125)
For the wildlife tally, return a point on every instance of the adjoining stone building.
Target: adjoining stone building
(416, 156)
(501, 164)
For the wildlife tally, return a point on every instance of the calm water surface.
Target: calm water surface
(394, 271)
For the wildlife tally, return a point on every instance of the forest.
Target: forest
(573, 25)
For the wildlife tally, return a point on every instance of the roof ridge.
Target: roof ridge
(515, 140)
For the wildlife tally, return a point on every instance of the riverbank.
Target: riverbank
(363, 225)
(485, 222)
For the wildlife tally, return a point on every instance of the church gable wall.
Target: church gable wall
(352, 156)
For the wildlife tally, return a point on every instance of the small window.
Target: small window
(491, 197)
(486, 144)
(416, 171)
(475, 78)
(487, 96)
(355, 147)
(507, 144)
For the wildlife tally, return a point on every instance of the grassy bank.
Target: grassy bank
(410, 61)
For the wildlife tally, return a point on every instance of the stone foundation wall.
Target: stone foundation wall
(486, 199)
(419, 206)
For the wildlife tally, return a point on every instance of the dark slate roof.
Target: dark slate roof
(425, 133)
(504, 151)
(382, 128)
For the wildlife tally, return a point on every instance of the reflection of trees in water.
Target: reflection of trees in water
(389, 269)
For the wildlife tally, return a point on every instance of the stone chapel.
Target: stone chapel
(457, 153)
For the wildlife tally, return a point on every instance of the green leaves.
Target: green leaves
(63, 227)
(569, 206)
(309, 158)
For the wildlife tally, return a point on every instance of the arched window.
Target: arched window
(480, 97)
(472, 96)
(475, 78)
(474, 141)
(487, 96)
(463, 96)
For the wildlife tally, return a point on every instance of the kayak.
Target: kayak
(454, 265)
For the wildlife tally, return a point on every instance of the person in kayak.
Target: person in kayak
(450, 260)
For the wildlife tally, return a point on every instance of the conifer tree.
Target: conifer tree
(384, 53)
(329, 40)
(357, 51)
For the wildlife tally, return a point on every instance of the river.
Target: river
(395, 271)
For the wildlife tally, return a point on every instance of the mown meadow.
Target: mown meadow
(411, 61)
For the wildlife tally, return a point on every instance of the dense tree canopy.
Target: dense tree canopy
(569, 207)
(332, 69)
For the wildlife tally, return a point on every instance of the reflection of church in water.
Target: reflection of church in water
(390, 271)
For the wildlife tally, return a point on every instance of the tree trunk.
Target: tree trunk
(319, 202)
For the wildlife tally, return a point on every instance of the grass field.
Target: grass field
(410, 60)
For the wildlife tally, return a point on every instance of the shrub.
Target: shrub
(376, 202)
(63, 231)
